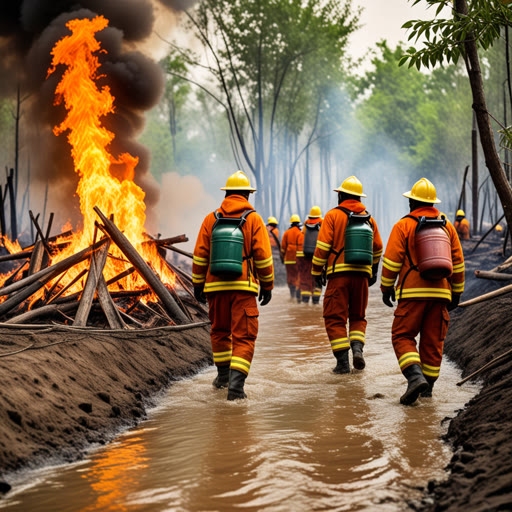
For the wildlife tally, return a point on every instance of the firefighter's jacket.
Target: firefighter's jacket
(396, 263)
(289, 245)
(462, 228)
(273, 231)
(257, 266)
(330, 245)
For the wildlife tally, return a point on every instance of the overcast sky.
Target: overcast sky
(382, 19)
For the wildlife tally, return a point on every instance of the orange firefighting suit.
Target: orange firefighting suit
(462, 228)
(308, 287)
(421, 303)
(289, 245)
(346, 296)
(273, 235)
(232, 303)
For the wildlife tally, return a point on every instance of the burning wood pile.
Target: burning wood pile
(107, 284)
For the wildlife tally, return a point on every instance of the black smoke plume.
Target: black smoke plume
(28, 31)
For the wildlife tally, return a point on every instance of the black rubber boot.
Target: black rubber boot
(416, 384)
(357, 355)
(292, 291)
(428, 392)
(236, 385)
(297, 295)
(222, 379)
(316, 299)
(305, 299)
(342, 364)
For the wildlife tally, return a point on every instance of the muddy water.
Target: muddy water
(305, 440)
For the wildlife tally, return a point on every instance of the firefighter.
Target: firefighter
(273, 235)
(423, 304)
(462, 225)
(346, 296)
(232, 301)
(310, 232)
(289, 245)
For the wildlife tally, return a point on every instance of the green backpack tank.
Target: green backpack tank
(227, 246)
(358, 239)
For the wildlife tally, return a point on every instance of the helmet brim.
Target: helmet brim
(410, 195)
(245, 189)
(341, 189)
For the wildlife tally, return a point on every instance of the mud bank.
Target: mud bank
(480, 471)
(64, 390)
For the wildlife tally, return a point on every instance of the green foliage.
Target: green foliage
(444, 37)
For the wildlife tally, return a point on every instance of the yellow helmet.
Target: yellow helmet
(315, 212)
(424, 191)
(238, 181)
(294, 218)
(272, 220)
(499, 228)
(351, 186)
(460, 213)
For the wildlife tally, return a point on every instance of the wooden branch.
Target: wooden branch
(53, 270)
(169, 241)
(115, 295)
(95, 270)
(143, 268)
(35, 314)
(39, 231)
(495, 276)
(36, 259)
(179, 251)
(487, 296)
(120, 276)
(49, 228)
(107, 305)
(16, 256)
(130, 318)
(68, 286)
(503, 266)
(12, 277)
(490, 363)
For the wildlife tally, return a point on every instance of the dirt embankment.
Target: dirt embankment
(73, 388)
(480, 472)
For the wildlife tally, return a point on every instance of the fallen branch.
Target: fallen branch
(36, 259)
(489, 364)
(169, 241)
(16, 256)
(486, 234)
(179, 251)
(107, 305)
(67, 287)
(494, 276)
(503, 266)
(487, 296)
(143, 268)
(43, 311)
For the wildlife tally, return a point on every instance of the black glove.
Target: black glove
(388, 297)
(319, 282)
(375, 271)
(454, 303)
(265, 296)
(199, 294)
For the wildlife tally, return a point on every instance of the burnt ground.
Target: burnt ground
(479, 475)
(72, 389)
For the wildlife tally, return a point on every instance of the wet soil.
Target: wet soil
(480, 471)
(66, 390)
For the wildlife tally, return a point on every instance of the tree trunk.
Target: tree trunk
(492, 159)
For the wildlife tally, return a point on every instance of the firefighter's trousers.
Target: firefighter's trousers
(346, 298)
(292, 274)
(234, 317)
(429, 319)
(308, 287)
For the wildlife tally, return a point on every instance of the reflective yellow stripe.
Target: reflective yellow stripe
(409, 357)
(299, 254)
(345, 267)
(200, 261)
(263, 263)
(357, 336)
(323, 245)
(198, 281)
(317, 293)
(306, 294)
(391, 265)
(340, 343)
(433, 368)
(319, 261)
(199, 276)
(430, 373)
(458, 268)
(377, 254)
(386, 281)
(221, 357)
(458, 288)
(266, 278)
(290, 262)
(218, 286)
(439, 293)
(238, 363)
(315, 273)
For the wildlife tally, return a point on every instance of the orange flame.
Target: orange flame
(86, 104)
